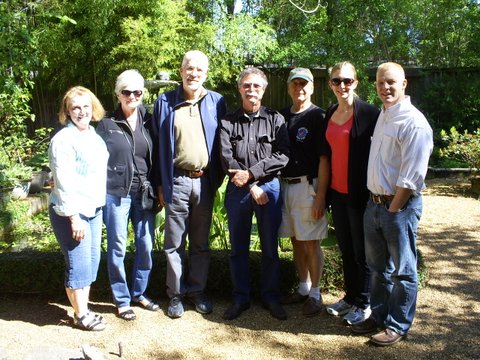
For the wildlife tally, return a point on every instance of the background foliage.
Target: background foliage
(49, 45)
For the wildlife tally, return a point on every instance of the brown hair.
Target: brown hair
(98, 112)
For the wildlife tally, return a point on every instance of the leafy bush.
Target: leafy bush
(462, 146)
(22, 231)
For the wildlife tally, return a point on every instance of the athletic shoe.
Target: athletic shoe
(339, 308)
(357, 315)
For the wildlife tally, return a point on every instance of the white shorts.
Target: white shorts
(297, 220)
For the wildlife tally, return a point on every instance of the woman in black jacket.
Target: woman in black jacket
(349, 130)
(130, 147)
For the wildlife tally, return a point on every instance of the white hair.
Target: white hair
(128, 78)
(194, 54)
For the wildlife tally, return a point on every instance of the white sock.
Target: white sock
(315, 292)
(304, 288)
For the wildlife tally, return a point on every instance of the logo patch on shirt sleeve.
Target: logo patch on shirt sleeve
(302, 134)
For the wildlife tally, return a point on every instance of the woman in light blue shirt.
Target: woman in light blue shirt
(78, 160)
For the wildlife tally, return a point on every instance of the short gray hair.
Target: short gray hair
(252, 71)
(194, 54)
(128, 77)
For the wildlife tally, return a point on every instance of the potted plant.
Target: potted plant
(15, 180)
(20, 164)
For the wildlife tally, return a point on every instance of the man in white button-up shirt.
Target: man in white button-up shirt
(401, 146)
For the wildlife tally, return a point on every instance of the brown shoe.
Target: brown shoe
(386, 337)
(365, 327)
(311, 307)
(293, 298)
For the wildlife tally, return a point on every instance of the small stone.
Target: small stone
(92, 353)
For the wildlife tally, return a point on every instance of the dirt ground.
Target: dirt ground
(447, 323)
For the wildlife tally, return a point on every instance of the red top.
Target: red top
(338, 137)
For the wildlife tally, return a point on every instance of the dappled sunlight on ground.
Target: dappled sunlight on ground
(446, 324)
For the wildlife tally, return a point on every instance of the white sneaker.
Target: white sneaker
(339, 308)
(357, 315)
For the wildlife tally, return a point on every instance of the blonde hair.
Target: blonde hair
(98, 112)
(338, 66)
(393, 66)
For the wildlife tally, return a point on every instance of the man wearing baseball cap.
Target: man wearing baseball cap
(303, 224)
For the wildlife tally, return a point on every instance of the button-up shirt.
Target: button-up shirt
(78, 160)
(257, 143)
(401, 146)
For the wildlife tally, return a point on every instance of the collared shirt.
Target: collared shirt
(212, 109)
(306, 132)
(191, 151)
(401, 146)
(78, 160)
(258, 143)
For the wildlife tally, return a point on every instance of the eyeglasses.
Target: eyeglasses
(249, 85)
(136, 93)
(346, 81)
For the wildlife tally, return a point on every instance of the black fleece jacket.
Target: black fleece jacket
(120, 163)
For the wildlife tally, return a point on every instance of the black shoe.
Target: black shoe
(293, 298)
(234, 310)
(312, 307)
(365, 327)
(276, 310)
(175, 307)
(201, 302)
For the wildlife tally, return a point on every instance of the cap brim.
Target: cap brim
(300, 76)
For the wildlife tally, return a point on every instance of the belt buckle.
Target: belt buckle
(292, 181)
(377, 199)
(194, 173)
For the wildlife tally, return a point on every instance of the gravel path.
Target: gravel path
(447, 324)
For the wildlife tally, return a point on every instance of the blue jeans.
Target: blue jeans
(390, 246)
(240, 209)
(117, 212)
(348, 222)
(189, 214)
(82, 258)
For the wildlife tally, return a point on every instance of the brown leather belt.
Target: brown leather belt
(190, 173)
(382, 199)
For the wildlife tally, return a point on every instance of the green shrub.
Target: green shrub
(22, 230)
(462, 146)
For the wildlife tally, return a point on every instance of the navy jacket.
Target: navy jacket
(212, 109)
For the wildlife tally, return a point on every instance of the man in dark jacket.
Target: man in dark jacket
(187, 175)
(254, 146)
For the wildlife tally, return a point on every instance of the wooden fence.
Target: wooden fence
(45, 106)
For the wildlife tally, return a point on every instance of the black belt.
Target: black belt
(189, 173)
(381, 199)
(296, 180)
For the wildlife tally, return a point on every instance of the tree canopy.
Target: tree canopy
(56, 44)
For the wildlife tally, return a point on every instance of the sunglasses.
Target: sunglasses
(127, 93)
(346, 81)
